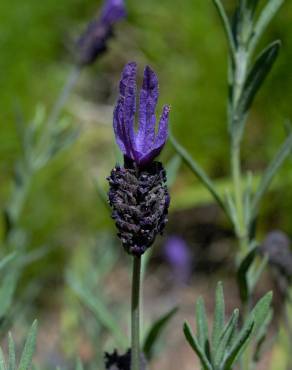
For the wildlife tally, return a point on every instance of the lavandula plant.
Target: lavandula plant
(41, 140)
(138, 193)
(246, 75)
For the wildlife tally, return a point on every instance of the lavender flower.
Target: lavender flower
(277, 246)
(177, 254)
(94, 40)
(138, 194)
(144, 145)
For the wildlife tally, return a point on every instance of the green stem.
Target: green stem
(135, 319)
(65, 92)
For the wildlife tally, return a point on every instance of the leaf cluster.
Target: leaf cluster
(228, 340)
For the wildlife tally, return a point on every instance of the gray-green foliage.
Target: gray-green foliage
(246, 74)
(25, 361)
(41, 140)
(229, 340)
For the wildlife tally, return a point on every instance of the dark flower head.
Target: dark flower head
(93, 42)
(143, 145)
(140, 200)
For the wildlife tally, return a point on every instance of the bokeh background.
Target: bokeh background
(64, 211)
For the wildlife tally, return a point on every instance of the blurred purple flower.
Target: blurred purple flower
(277, 246)
(93, 41)
(112, 12)
(144, 145)
(177, 254)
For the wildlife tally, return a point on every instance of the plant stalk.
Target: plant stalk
(64, 94)
(135, 314)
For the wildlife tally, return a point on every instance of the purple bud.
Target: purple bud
(177, 254)
(145, 144)
(93, 42)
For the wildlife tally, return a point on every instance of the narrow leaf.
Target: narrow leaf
(202, 324)
(196, 347)
(242, 277)
(227, 27)
(257, 272)
(261, 336)
(97, 306)
(155, 331)
(7, 290)
(236, 349)
(29, 348)
(11, 353)
(270, 172)
(6, 260)
(226, 338)
(79, 365)
(261, 310)
(172, 168)
(257, 76)
(218, 319)
(265, 18)
(198, 171)
(2, 360)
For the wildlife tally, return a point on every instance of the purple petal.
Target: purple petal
(147, 120)
(124, 114)
(113, 11)
(118, 124)
(162, 134)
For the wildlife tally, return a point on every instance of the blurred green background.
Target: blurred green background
(184, 43)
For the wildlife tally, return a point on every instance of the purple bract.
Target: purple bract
(144, 144)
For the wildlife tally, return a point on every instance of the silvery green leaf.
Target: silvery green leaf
(79, 365)
(172, 168)
(252, 5)
(261, 335)
(265, 17)
(232, 210)
(257, 271)
(2, 360)
(270, 172)
(259, 313)
(7, 259)
(198, 171)
(11, 353)
(193, 342)
(257, 76)
(219, 318)
(155, 331)
(227, 26)
(236, 350)
(7, 290)
(226, 338)
(29, 348)
(97, 306)
(202, 325)
(242, 274)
